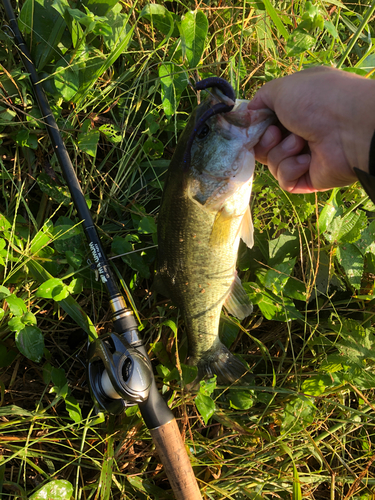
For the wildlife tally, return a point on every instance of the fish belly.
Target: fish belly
(198, 275)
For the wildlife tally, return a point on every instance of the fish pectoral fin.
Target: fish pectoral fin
(238, 303)
(221, 228)
(247, 229)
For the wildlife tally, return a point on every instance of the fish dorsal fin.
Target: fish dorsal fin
(238, 303)
(247, 229)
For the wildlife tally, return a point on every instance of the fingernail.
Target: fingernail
(289, 143)
(267, 139)
(303, 159)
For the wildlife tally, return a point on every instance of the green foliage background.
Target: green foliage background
(117, 76)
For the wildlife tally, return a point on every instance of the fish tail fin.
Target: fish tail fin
(222, 363)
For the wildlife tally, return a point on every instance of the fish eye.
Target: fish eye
(204, 132)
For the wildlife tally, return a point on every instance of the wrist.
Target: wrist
(359, 125)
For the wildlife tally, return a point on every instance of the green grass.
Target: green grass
(121, 99)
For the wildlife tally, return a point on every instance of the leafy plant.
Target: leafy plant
(117, 77)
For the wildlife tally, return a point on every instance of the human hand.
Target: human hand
(330, 118)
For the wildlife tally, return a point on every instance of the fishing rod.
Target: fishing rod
(119, 371)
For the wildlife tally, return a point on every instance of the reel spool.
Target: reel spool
(119, 375)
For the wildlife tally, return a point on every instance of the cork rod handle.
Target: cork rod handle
(172, 452)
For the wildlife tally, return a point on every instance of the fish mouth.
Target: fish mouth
(250, 122)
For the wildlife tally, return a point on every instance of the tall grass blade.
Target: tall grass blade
(276, 19)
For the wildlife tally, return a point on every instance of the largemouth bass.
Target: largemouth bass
(204, 213)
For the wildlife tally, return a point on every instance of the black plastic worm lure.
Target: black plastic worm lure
(221, 107)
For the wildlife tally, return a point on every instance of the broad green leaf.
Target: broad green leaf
(346, 227)
(352, 226)
(160, 17)
(316, 385)
(88, 142)
(6, 116)
(367, 241)
(299, 413)
(295, 289)
(16, 305)
(356, 343)
(27, 140)
(94, 24)
(58, 489)
(69, 305)
(205, 406)
(4, 223)
(53, 289)
(122, 246)
(30, 343)
(145, 486)
(351, 259)
(111, 132)
(332, 364)
(4, 292)
(47, 373)
(47, 26)
(283, 248)
(75, 286)
(29, 318)
(331, 28)
(66, 80)
(207, 387)
(193, 29)
(147, 225)
(120, 28)
(60, 391)
(40, 240)
(74, 259)
(275, 18)
(58, 377)
(100, 7)
(153, 148)
(60, 194)
(173, 81)
(73, 408)
(277, 277)
(368, 64)
(16, 324)
(68, 236)
(328, 212)
(240, 399)
(98, 67)
(228, 330)
(171, 324)
(272, 306)
(299, 42)
(189, 373)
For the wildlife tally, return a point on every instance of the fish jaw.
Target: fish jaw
(224, 160)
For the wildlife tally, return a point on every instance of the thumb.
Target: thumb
(264, 97)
